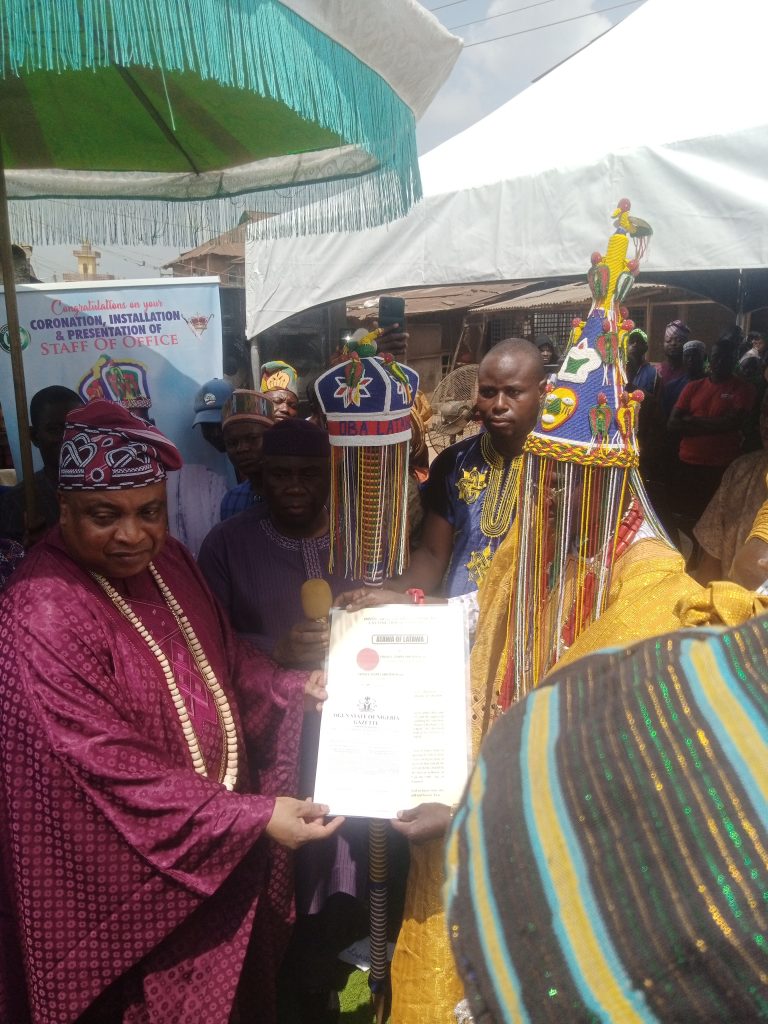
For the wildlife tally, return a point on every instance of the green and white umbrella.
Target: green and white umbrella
(163, 121)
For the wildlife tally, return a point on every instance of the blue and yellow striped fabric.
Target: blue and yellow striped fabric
(609, 861)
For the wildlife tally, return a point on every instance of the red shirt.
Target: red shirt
(707, 398)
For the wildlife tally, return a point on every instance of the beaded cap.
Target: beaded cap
(367, 399)
(367, 402)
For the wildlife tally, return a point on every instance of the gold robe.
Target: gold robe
(650, 594)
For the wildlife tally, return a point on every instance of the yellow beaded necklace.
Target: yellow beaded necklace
(228, 769)
(500, 498)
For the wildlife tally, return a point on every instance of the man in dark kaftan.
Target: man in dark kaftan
(147, 755)
(255, 563)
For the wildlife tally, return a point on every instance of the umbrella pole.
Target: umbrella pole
(17, 365)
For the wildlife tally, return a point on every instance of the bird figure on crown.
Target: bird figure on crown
(583, 404)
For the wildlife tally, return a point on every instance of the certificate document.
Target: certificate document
(395, 727)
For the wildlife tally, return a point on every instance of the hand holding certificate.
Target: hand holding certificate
(394, 732)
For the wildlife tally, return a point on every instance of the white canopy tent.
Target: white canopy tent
(666, 109)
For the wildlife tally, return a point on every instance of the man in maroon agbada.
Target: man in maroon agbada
(144, 757)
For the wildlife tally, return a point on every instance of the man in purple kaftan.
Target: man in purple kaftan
(145, 751)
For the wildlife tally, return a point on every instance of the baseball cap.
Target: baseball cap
(210, 399)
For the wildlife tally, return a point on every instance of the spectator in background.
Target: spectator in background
(708, 418)
(280, 384)
(672, 371)
(644, 376)
(734, 336)
(660, 462)
(755, 351)
(245, 416)
(752, 369)
(209, 402)
(727, 520)
(695, 360)
(194, 493)
(256, 562)
(547, 350)
(47, 413)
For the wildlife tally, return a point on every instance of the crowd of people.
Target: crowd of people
(161, 690)
(702, 411)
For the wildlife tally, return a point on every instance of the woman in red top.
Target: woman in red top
(708, 417)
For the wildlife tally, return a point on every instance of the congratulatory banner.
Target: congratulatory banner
(146, 344)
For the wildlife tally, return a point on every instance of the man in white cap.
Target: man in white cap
(195, 492)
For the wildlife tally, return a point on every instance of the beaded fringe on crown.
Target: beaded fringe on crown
(369, 507)
(256, 45)
(569, 529)
(574, 524)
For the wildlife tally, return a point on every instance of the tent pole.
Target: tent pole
(256, 363)
(17, 364)
(740, 317)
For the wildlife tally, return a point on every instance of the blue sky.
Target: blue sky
(489, 73)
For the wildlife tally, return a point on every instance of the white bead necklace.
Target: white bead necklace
(228, 771)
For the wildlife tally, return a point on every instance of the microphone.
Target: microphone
(316, 599)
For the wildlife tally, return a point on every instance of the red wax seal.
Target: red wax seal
(367, 659)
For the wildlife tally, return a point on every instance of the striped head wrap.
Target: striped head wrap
(677, 329)
(609, 860)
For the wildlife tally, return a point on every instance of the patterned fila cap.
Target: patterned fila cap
(106, 447)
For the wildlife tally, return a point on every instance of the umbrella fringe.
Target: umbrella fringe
(307, 209)
(256, 45)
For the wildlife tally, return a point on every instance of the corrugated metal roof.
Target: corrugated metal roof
(437, 299)
(562, 295)
(231, 243)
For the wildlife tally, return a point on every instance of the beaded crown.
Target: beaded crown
(589, 414)
(367, 402)
(585, 499)
(367, 399)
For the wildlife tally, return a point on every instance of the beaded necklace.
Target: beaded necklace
(500, 498)
(227, 771)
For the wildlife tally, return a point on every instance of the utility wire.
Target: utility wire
(515, 10)
(551, 24)
(47, 265)
(443, 6)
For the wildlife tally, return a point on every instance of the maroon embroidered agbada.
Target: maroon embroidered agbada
(131, 888)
